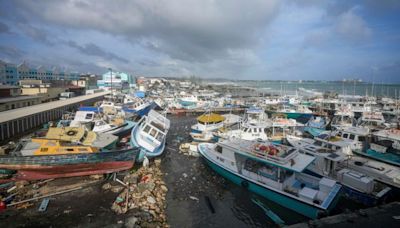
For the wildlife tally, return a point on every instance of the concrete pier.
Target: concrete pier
(17, 122)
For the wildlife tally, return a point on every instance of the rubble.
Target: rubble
(143, 196)
(189, 149)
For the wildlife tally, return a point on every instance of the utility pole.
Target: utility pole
(111, 82)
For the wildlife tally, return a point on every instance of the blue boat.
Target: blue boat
(274, 172)
(149, 134)
(141, 108)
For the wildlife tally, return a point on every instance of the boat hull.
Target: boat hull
(69, 165)
(290, 203)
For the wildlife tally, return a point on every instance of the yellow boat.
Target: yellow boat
(43, 146)
(82, 136)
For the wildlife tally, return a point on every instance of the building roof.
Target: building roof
(30, 110)
(18, 98)
(8, 87)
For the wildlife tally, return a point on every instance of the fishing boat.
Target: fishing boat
(274, 172)
(206, 124)
(41, 158)
(316, 125)
(118, 127)
(282, 126)
(373, 120)
(330, 161)
(138, 106)
(343, 117)
(82, 136)
(296, 112)
(384, 145)
(149, 134)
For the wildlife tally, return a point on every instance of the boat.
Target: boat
(330, 161)
(274, 172)
(138, 106)
(343, 117)
(41, 158)
(373, 120)
(316, 125)
(206, 124)
(384, 145)
(149, 134)
(282, 126)
(296, 112)
(118, 127)
(82, 136)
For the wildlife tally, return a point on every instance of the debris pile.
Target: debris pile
(144, 193)
(189, 149)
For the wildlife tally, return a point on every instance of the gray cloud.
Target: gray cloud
(352, 26)
(11, 52)
(188, 30)
(94, 50)
(4, 28)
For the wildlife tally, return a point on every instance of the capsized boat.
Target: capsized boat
(274, 172)
(149, 134)
(41, 158)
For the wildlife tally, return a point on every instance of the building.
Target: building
(117, 80)
(10, 74)
(10, 98)
(46, 91)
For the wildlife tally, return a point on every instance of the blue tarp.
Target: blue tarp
(90, 109)
(140, 94)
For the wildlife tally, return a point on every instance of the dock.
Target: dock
(17, 122)
(380, 216)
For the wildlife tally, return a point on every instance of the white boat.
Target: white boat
(149, 134)
(331, 162)
(343, 117)
(206, 124)
(274, 172)
(373, 120)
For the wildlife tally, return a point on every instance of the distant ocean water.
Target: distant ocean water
(346, 88)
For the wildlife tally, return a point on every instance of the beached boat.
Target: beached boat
(330, 161)
(373, 120)
(118, 126)
(82, 136)
(274, 172)
(149, 134)
(343, 117)
(139, 106)
(44, 158)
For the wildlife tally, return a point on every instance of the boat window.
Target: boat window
(352, 136)
(82, 149)
(250, 130)
(345, 135)
(318, 143)
(146, 128)
(159, 136)
(153, 132)
(45, 149)
(245, 129)
(361, 138)
(218, 149)
(89, 116)
(70, 149)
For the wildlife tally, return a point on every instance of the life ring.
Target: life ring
(71, 132)
(245, 184)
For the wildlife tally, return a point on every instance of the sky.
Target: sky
(256, 39)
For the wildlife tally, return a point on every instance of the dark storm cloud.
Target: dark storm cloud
(189, 30)
(94, 50)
